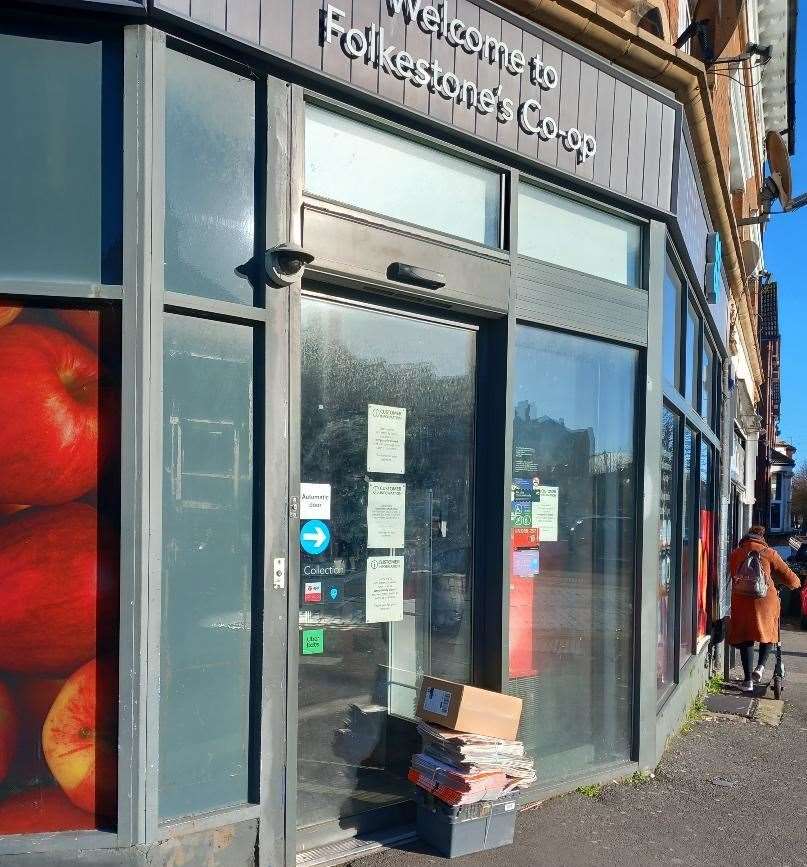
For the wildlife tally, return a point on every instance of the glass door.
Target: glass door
(388, 405)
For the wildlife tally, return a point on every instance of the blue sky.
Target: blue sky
(784, 243)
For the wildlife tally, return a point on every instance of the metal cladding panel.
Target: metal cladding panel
(632, 125)
(692, 218)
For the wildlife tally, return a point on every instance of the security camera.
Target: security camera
(285, 263)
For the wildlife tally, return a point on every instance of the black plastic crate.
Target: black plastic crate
(456, 831)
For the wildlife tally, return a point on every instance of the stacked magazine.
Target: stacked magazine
(461, 768)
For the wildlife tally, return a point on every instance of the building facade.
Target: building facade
(346, 344)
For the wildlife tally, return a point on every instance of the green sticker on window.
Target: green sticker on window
(313, 641)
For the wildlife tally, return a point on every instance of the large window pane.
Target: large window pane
(208, 475)
(668, 553)
(209, 181)
(707, 565)
(60, 371)
(692, 356)
(369, 168)
(61, 151)
(388, 597)
(671, 342)
(689, 545)
(564, 232)
(571, 589)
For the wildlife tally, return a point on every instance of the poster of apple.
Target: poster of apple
(59, 514)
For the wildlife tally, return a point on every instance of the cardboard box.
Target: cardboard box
(469, 709)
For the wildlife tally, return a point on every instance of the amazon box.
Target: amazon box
(469, 709)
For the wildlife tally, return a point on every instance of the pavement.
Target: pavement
(731, 791)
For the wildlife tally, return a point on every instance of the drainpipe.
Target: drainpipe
(727, 413)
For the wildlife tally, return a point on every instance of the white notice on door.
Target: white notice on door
(545, 513)
(386, 513)
(315, 501)
(385, 578)
(386, 438)
(437, 701)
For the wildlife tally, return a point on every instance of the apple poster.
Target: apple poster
(59, 581)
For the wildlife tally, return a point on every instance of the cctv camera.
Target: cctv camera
(285, 263)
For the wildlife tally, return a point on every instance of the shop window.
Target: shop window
(573, 513)
(387, 436)
(207, 565)
(691, 355)
(62, 150)
(708, 384)
(60, 375)
(689, 547)
(707, 565)
(668, 551)
(550, 228)
(210, 181)
(375, 170)
(671, 340)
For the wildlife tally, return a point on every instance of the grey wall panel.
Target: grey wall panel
(212, 12)
(650, 188)
(244, 19)
(668, 124)
(566, 299)
(634, 124)
(606, 94)
(620, 138)
(465, 67)
(692, 217)
(276, 26)
(477, 281)
(568, 115)
(636, 143)
(587, 113)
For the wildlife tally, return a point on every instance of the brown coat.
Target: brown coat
(758, 619)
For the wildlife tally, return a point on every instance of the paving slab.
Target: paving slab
(730, 793)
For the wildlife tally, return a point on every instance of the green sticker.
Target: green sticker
(313, 641)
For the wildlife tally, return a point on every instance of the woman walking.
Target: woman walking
(755, 617)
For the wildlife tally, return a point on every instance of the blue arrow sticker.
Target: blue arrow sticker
(314, 537)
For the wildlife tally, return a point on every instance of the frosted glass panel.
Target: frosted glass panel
(209, 181)
(208, 478)
(564, 232)
(371, 169)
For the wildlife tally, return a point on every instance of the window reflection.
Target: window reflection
(571, 636)
(668, 554)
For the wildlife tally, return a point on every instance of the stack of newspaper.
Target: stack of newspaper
(462, 768)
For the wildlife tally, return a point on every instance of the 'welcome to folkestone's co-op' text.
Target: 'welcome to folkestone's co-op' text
(370, 46)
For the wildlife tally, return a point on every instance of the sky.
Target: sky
(785, 238)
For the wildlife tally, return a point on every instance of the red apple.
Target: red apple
(8, 313)
(49, 589)
(34, 698)
(9, 728)
(40, 810)
(85, 324)
(49, 439)
(79, 738)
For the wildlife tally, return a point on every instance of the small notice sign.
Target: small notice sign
(386, 514)
(312, 591)
(385, 580)
(437, 701)
(313, 641)
(386, 439)
(315, 501)
(545, 513)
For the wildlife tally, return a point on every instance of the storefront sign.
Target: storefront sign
(370, 45)
(385, 579)
(545, 513)
(323, 570)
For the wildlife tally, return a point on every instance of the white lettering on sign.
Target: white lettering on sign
(370, 45)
